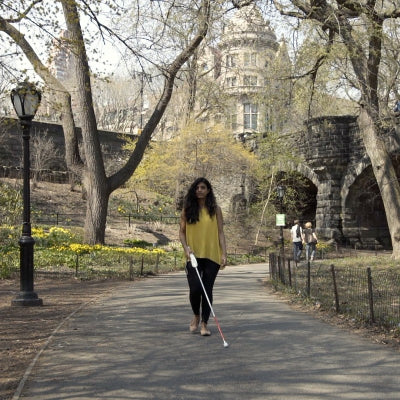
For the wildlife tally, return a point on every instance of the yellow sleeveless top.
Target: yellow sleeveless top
(202, 237)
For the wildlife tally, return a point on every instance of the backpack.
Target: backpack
(298, 232)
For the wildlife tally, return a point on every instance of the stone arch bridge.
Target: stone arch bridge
(345, 200)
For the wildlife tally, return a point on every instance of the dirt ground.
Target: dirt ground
(24, 330)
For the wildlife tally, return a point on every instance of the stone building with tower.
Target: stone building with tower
(244, 67)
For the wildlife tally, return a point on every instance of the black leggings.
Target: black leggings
(208, 271)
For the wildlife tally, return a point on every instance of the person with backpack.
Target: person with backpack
(310, 239)
(297, 239)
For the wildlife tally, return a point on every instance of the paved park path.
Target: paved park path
(136, 345)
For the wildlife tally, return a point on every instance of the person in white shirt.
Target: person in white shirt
(297, 234)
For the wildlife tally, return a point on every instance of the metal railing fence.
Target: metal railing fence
(364, 294)
(128, 220)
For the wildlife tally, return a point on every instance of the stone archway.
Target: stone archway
(364, 217)
(350, 178)
(364, 222)
(307, 204)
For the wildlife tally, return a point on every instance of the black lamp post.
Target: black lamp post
(281, 193)
(26, 99)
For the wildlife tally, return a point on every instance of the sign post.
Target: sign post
(280, 221)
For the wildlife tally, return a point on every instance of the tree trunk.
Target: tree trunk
(72, 157)
(95, 180)
(385, 175)
(96, 210)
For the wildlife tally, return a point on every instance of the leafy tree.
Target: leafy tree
(169, 166)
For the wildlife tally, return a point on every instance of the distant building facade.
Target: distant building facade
(60, 60)
(241, 66)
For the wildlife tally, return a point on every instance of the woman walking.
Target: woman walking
(310, 239)
(201, 233)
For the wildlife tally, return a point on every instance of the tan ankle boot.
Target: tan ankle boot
(204, 331)
(194, 324)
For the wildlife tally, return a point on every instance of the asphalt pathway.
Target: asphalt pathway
(136, 345)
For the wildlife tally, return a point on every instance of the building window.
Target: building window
(230, 60)
(231, 81)
(250, 59)
(250, 116)
(250, 80)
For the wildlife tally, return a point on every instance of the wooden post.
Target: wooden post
(289, 273)
(308, 279)
(76, 265)
(280, 270)
(130, 269)
(157, 261)
(337, 307)
(270, 265)
(370, 296)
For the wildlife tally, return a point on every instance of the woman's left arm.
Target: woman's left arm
(221, 236)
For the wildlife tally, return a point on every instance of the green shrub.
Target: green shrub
(137, 243)
(9, 263)
(9, 236)
(10, 204)
(56, 236)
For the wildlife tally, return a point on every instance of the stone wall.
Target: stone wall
(11, 146)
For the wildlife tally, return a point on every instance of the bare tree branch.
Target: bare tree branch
(23, 14)
(124, 174)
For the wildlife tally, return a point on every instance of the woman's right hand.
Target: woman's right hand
(187, 253)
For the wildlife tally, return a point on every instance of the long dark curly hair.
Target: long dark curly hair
(191, 205)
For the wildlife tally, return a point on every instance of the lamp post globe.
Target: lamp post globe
(26, 100)
(281, 192)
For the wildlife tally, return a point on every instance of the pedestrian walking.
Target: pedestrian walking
(310, 239)
(297, 234)
(201, 233)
